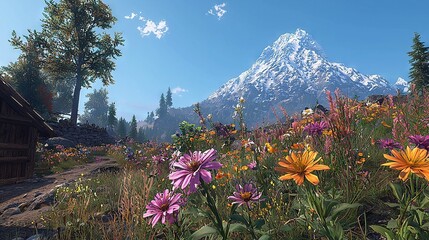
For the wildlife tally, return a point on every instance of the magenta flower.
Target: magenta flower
(193, 167)
(420, 141)
(316, 128)
(164, 207)
(252, 165)
(245, 195)
(389, 144)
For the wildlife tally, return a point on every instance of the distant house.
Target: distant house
(20, 127)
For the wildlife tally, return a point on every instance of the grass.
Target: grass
(355, 199)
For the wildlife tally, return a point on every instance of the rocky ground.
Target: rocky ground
(22, 204)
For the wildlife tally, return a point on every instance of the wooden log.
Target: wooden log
(13, 159)
(13, 146)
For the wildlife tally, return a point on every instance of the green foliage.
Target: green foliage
(161, 112)
(419, 71)
(168, 98)
(413, 220)
(112, 120)
(185, 141)
(26, 74)
(122, 127)
(96, 108)
(133, 128)
(75, 43)
(141, 135)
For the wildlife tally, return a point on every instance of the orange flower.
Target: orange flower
(415, 161)
(270, 148)
(298, 146)
(299, 166)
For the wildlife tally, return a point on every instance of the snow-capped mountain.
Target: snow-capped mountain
(402, 85)
(293, 73)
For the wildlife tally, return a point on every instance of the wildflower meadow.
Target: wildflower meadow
(358, 171)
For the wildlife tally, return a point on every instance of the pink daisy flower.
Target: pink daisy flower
(192, 167)
(164, 207)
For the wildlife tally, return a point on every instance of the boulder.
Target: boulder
(55, 141)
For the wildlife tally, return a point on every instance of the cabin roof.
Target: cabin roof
(21, 106)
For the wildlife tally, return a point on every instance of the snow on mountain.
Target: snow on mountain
(402, 85)
(292, 73)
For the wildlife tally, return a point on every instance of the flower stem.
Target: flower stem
(212, 205)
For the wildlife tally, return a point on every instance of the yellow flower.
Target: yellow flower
(270, 148)
(415, 161)
(299, 166)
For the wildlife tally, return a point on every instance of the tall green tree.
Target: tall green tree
(140, 135)
(133, 128)
(77, 44)
(122, 128)
(168, 98)
(96, 108)
(112, 121)
(162, 110)
(26, 74)
(419, 71)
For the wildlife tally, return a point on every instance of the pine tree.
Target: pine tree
(112, 121)
(122, 128)
(168, 98)
(419, 71)
(133, 128)
(140, 135)
(162, 110)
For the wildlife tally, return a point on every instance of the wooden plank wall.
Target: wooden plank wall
(17, 145)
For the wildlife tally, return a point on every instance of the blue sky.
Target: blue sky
(194, 47)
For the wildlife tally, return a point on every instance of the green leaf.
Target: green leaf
(397, 190)
(237, 227)
(392, 224)
(344, 206)
(238, 218)
(204, 232)
(285, 228)
(259, 223)
(264, 237)
(392, 205)
(383, 231)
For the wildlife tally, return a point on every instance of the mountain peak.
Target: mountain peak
(292, 43)
(292, 73)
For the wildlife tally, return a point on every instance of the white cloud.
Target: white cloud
(151, 27)
(178, 90)
(131, 16)
(218, 10)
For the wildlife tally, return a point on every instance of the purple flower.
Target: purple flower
(252, 165)
(420, 141)
(389, 144)
(192, 167)
(245, 195)
(316, 128)
(158, 159)
(165, 206)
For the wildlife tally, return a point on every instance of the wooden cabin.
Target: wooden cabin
(20, 127)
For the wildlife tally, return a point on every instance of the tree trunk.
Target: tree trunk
(76, 93)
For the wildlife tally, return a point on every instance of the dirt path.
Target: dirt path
(22, 204)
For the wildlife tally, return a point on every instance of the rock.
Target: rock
(113, 168)
(36, 237)
(55, 141)
(23, 206)
(44, 199)
(10, 211)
